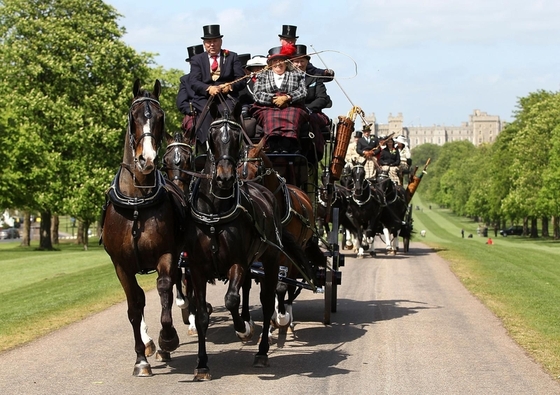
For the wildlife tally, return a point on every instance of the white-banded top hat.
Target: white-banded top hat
(257, 61)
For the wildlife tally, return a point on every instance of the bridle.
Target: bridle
(360, 187)
(148, 114)
(179, 173)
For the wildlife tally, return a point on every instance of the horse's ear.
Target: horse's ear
(261, 144)
(364, 162)
(169, 138)
(237, 111)
(136, 87)
(157, 89)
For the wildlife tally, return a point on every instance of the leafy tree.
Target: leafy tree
(539, 114)
(170, 80)
(65, 79)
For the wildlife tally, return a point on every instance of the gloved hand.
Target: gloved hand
(281, 101)
(213, 90)
(329, 72)
(226, 88)
(245, 111)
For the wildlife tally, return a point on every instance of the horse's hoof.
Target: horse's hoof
(192, 332)
(372, 253)
(359, 256)
(163, 356)
(283, 320)
(261, 361)
(249, 332)
(150, 348)
(181, 303)
(142, 369)
(170, 344)
(202, 375)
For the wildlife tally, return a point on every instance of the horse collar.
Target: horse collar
(219, 218)
(115, 195)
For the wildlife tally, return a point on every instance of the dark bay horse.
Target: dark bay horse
(298, 219)
(236, 223)
(141, 226)
(364, 206)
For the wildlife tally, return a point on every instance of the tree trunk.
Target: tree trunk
(545, 227)
(45, 242)
(85, 236)
(525, 226)
(534, 228)
(26, 230)
(54, 229)
(80, 233)
(555, 227)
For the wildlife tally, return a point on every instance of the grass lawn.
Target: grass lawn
(518, 278)
(41, 291)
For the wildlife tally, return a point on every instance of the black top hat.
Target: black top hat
(289, 31)
(244, 58)
(211, 31)
(194, 50)
(301, 51)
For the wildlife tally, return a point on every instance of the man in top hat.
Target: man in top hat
(186, 93)
(404, 153)
(368, 147)
(213, 73)
(316, 100)
(288, 36)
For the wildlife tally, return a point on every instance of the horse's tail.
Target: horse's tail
(296, 253)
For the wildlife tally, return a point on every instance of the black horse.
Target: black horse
(178, 165)
(236, 223)
(391, 220)
(364, 207)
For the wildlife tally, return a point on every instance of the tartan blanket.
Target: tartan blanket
(284, 122)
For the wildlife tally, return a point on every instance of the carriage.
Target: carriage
(302, 170)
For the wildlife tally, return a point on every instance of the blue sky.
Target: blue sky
(434, 61)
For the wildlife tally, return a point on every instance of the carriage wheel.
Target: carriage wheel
(328, 297)
(184, 312)
(331, 294)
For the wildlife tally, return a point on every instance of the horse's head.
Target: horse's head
(358, 177)
(224, 149)
(178, 160)
(146, 127)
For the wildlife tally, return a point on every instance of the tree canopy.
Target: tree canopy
(66, 83)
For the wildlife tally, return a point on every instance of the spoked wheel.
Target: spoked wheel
(406, 244)
(184, 312)
(331, 283)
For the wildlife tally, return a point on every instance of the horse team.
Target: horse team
(235, 212)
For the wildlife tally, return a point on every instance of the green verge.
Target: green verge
(517, 278)
(42, 291)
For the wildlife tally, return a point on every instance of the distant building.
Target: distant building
(481, 128)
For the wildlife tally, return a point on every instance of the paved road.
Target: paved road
(405, 325)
